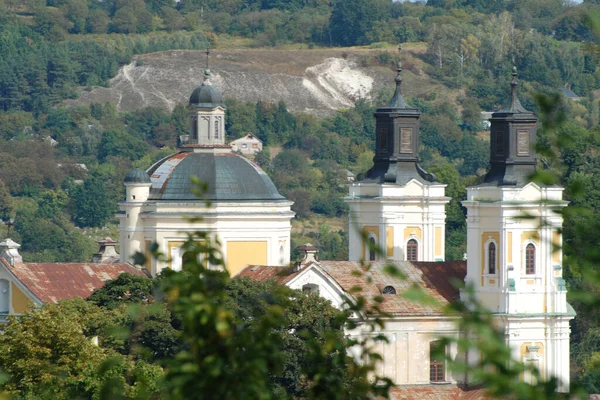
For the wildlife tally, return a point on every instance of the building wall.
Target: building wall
(398, 213)
(168, 224)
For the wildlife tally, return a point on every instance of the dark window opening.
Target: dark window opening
(372, 250)
(388, 290)
(492, 258)
(412, 250)
(530, 259)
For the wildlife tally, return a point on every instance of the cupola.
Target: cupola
(512, 147)
(397, 141)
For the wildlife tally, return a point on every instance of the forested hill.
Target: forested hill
(61, 168)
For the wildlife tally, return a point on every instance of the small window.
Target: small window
(244, 145)
(372, 249)
(216, 129)
(530, 259)
(492, 258)
(311, 288)
(388, 290)
(436, 362)
(254, 145)
(412, 250)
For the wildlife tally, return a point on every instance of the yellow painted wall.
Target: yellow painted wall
(410, 230)
(390, 241)
(19, 300)
(556, 247)
(367, 231)
(529, 235)
(438, 241)
(540, 352)
(510, 248)
(240, 254)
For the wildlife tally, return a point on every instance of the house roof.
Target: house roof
(247, 137)
(437, 279)
(51, 282)
(437, 392)
(568, 93)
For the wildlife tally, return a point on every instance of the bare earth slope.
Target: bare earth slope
(313, 81)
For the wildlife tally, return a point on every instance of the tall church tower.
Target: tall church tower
(397, 204)
(513, 232)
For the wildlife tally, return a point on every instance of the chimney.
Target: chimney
(107, 253)
(308, 255)
(9, 250)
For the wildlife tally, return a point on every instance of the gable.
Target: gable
(327, 287)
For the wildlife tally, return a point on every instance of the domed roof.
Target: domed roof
(205, 95)
(137, 175)
(229, 177)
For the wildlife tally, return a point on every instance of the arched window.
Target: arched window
(216, 128)
(4, 297)
(194, 128)
(530, 259)
(388, 290)
(311, 288)
(492, 258)
(436, 362)
(372, 249)
(412, 250)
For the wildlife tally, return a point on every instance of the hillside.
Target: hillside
(316, 81)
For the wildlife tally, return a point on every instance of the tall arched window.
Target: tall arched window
(412, 250)
(194, 128)
(372, 249)
(530, 259)
(4, 297)
(216, 128)
(492, 258)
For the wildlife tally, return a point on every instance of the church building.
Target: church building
(239, 206)
(513, 265)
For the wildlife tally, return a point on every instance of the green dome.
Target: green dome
(229, 177)
(137, 175)
(206, 96)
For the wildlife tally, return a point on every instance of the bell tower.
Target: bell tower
(207, 115)
(399, 206)
(513, 231)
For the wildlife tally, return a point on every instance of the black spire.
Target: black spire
(397, 142)
(512, 142)
(398, 101)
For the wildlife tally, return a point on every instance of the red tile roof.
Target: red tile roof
(438, 392)
(436, 278)
(52, 282)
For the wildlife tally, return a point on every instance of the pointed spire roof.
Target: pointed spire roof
(514, 106)
(398, 102)
(512, 143)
